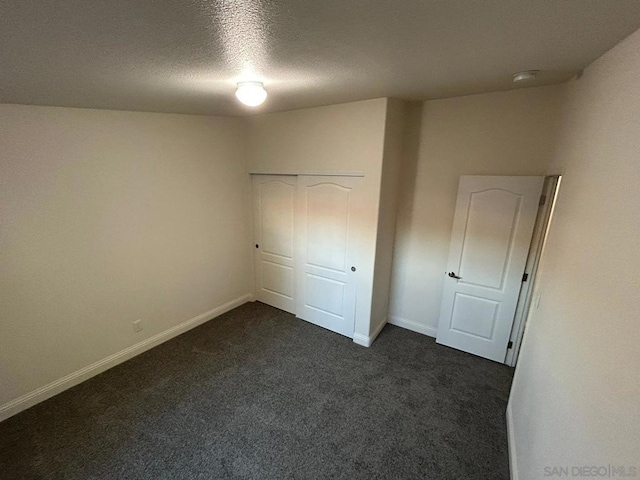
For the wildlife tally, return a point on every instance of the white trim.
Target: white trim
(413, 326)
(361, 339)
(528, 289)
(511, 442)
(302, 173)
(367, 341)
(47, 391)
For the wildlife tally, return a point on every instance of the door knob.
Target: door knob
(353, 269)
(453, 275)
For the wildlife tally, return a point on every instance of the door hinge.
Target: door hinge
(543, 199)
(525, 277)
(509, 345)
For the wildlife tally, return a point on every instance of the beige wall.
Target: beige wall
(575, 397)
(337, 138)
(334, 139)
(108, 217)
(506, 133)
(394, 142)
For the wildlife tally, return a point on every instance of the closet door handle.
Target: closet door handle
(453, 275)
(353, 269)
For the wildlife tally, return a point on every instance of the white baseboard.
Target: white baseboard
(413, 326)
(511, 441)
(361, 339)
(367, 341)
(47, 391)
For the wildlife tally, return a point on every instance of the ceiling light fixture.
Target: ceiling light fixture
(251, 94)
(525, 76)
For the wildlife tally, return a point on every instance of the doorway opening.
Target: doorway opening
(529, 289)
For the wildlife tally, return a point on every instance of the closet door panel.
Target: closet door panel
(274, 208)
(326, 240)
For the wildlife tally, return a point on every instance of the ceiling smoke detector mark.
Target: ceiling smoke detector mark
(525, 76)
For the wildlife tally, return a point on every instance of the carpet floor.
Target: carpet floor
(258, 394)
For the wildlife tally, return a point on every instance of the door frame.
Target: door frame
(529, 288)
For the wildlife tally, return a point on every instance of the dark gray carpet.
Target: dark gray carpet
(258, 394)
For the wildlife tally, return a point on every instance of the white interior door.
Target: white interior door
(490, 240)
(326, 266)
(274, 209)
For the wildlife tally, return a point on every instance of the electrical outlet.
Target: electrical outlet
(137, 326)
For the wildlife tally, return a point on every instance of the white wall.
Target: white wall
(338, 138)
(394, 145)
(108, 217)
(575, 397)
(505, 133)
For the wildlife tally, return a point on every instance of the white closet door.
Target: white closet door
(326, 253)
(274, 207)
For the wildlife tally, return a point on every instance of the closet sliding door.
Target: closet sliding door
(326, 264)
(274, 210)
(306, 234)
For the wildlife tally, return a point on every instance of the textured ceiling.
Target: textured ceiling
(186, 55)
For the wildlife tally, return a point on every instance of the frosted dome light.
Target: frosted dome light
(251, 94)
